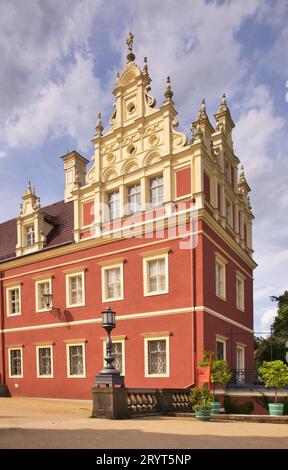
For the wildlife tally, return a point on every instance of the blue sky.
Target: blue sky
(58, 62)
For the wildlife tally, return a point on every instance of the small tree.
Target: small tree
(274, 374)
(220, 372)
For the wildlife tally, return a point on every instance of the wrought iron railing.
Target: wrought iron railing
(244, 378)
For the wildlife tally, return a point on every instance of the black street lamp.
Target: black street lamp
(48, 296)
(109, 376)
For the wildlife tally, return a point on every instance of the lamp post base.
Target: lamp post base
(109, 379)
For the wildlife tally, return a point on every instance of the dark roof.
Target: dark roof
(60, 215)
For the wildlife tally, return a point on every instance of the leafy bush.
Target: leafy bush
(201, 398)
(274, 374)
(236, 408)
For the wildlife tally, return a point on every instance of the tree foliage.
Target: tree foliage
(279, 337)
(274, 374)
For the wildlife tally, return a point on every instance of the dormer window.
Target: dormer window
(30, 235)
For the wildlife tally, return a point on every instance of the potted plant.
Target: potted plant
(274, 374)
(220, 375)
(201, 400)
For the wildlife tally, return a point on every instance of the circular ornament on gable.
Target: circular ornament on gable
(153, 140)
(110, 158)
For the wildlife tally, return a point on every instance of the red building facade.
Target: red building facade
(159, 229)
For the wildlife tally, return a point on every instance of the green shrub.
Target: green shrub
(274, 374)
(238, 409)
(201, 399)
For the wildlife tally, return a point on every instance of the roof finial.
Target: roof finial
(129, 42)
(99, 126)
(202, 111)
(145, 67)
(168, 93)
(223, 104)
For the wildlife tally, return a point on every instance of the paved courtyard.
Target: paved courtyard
(53, 424)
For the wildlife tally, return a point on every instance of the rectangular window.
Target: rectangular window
(15, 362)
(30, 235)
(220, 279)
(157, 357)
(134, 198)
(44, 361)
(156, 275)
(240, 357)
(220, 349)
(76, 360)
(156, 191)
(13, 301)
(114, 205)
(75, 290)
(42, 287)
(229, 212)
(112, 281)
(239, 292)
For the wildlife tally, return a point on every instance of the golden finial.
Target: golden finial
(99, 126)
(223, 104)
(168, 93)
(129, 42)
(145, 67)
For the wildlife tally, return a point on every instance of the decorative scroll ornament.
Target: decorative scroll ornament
(91, 175)
(150, 100)
(179, 138)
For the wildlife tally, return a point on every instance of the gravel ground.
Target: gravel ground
(32, 423)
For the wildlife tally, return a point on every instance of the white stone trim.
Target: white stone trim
(132, 316)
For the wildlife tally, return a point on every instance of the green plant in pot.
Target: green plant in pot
(201, 400)
(220, 375)
(274, 374)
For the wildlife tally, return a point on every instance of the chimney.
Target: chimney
(75, 172)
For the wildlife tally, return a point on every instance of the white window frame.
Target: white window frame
(219, 260)
(111, 203)
(223, 340)
(9, 363)
(26, 227)
(82, 376)
(37, 293)
(39, 376)
(241, 347)
(158, 204)
(115, 340)
(146, 259)
(165, 337)
(8, 303)
(106, 267)
(68, 289)
(241, 279)
(137, 195)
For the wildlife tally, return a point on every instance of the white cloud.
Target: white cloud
(267, 318)
(62, 108)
